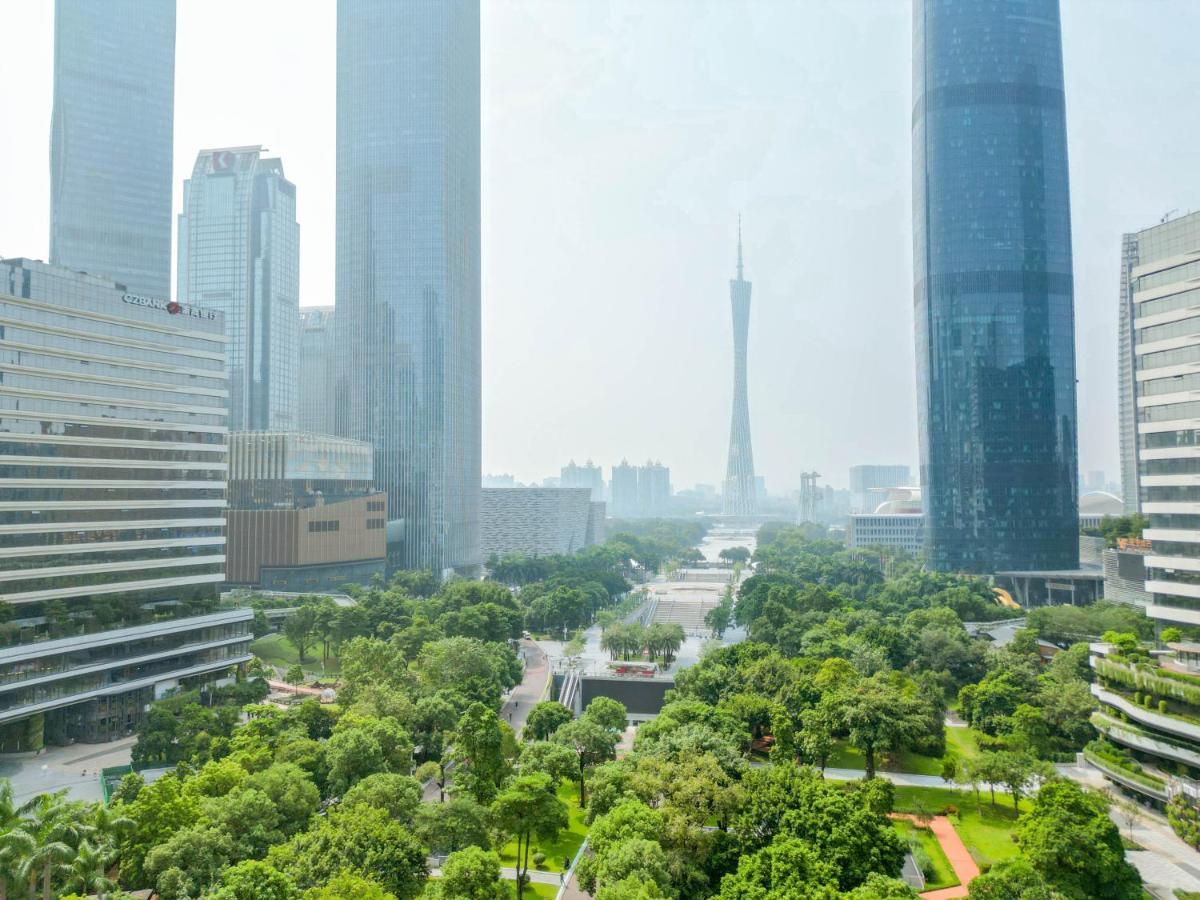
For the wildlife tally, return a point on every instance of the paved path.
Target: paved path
(961, 861)
(64, 767)
(533, 685)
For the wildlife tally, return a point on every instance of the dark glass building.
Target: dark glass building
(993, 293)
(408, 267)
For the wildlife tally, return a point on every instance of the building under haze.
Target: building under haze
(623, 490)
(239, 253)
(588, 475)
(408, 267)
(316, 370)
(112, 529)
(111, 140)
(869, 485)
(538, 521)
(993, 293)
(740, 494)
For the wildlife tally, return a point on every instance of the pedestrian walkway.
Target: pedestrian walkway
(75, 768)
(964, 865)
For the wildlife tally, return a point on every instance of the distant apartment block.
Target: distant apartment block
(539, 521)
(112, 505)
(239, 253)
(869, 484)
(112, 141)
(623, 491)
(303, 515)
(586, 476)
(316, 370)
(640, 491)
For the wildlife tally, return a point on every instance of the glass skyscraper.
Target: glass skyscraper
(993, 294)
(111, 140)
(239, 253)
(408, 268)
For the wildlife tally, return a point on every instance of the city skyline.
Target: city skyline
(556, 140)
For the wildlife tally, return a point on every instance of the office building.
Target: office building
(537, 521)
(408, 267)
(740, 495)
(1126, 365)
(588, 475)
(870, 484)
(993, 293)
(303, 515)
(623, 491)
(111, 140)
(112, 505)
(239, 253)
(316, 370)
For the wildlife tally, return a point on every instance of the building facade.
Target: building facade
(239, 253)
(623, 490)
(1126, 381)
(537, 521)
(112, 140)
(740, 494)
(654, 489)
(993, 293)
(1166, 349)
(868, 484)
(303, 515)
(112, 505)
(316, 370)
(408, 267)
(903, 530)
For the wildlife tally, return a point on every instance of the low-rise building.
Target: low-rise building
(896, 522)
(303, 515)
(537, 521)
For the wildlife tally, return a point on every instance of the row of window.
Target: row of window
(325, 525)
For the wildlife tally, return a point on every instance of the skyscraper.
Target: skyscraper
(993, 293)
(740, 493)
(408, 269)
(111, 140)
(239, 253)
(1126, 376)
(316, 369)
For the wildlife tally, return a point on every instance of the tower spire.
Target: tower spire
(739, 278)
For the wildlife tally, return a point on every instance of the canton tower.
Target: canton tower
(740, 487)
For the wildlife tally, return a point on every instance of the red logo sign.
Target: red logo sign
(174, 308)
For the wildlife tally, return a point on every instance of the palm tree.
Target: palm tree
(87, 872)
(58, 829)
(15, 840)
(108, 827)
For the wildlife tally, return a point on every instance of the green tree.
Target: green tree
(549, 758)
(254, 880)
(188, 862)
(607, 713)
(784, 869)
(295, 675)
(880, 887)
(291, 792)
(249, 818)
(1070, 840)
(348, 885)
(479, 748)
(299, 628)
(735, 554)
(469, 874)
(1013, 879)
(446, 827)
(544, 719)
(528, 809)
(87, 871)
(877, 717)
(398, 795)
(159, 810)
(360, 839)
(592, 745)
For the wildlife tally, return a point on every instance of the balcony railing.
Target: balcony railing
(1133, 736)
(1171, 724)
(1136, 781)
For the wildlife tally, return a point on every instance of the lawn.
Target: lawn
(846, 757)
(548, 891)
(962, 743)
(986, 830)
(277, 650)
(568, 843)
(943, 872)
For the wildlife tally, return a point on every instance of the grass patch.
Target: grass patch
(548, 891)
(277, 650)
(962, 743)
(569, 840)
(846, 757)
(986, 830)
(942, 875)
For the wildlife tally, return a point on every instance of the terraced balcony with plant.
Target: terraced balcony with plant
(1123, 768)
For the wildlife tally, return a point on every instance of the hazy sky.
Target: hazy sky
(620, 141)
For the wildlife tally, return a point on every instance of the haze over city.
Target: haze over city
(620, 142)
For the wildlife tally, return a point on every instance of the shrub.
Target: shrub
(1162, 706)
(950, 810)
(539, 859)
